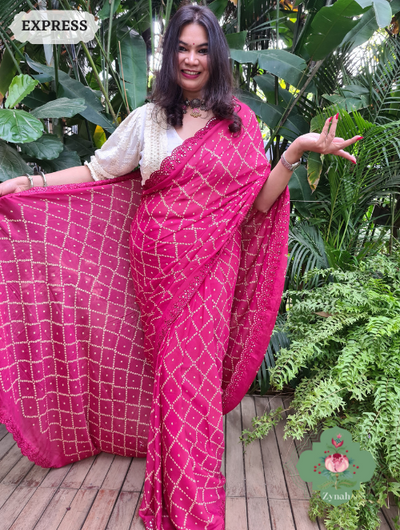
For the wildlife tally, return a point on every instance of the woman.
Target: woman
(92, 361)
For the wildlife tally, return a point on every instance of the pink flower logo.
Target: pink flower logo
(336, 463)
(337, 442)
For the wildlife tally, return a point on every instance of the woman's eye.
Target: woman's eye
(203, 51)
(181, 49)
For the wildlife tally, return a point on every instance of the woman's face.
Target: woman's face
(193, 71)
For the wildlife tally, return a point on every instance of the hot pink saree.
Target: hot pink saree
(132, 319)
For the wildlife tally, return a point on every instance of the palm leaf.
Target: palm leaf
(307, 252)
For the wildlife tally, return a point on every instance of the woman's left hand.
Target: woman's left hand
(327, 143)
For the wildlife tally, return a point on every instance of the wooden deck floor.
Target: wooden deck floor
(103, 492)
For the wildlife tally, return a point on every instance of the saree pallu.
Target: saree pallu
(95, 357)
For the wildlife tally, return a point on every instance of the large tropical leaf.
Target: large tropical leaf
(306, 252)
(330, 26)
(47, 147)
(314, 169)
(60, 108)
(11, 163)
(21, 86)
(267, 84)
(278, 62)
(300, 192)
(37, 98)
(71, 88)
(382, 11)
(380, 74)
(18, 126)
(65, 160)
(236, 41)
(133, 67)
(218, 7)
(84, 148)
(7, 72)
(294, 126)
(362, 31)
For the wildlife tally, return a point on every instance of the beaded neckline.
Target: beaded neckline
(178, 154)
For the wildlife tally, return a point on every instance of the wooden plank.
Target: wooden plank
(3, 430)
(391, 512)
(281, 515)
(5, 492)
(253, 464)
(14, 506)
(117, 473)
(77, 473)
(19, 471)
(5, 444)
(123, 511)
(300, 512)
(297, 443)
(135, 476)
(235, 486)
(296, 486)
(7, 463)
(35, 477)
(55, 476)
(236, 517)
(33, 510)
(80, 506)
(137, 522)
(258, 514)
(101, 510)
(56, 510)
(276, 485)
(384, 525)
(98, 471)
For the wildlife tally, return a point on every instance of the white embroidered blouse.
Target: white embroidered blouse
(144, 138)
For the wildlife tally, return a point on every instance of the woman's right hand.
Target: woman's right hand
(14, 185)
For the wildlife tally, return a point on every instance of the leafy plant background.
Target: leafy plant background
(336, 340)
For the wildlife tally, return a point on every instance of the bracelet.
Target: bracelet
(30, 179)
(44, 178)
(290, 167)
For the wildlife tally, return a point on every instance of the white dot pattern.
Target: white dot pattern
(77, 355)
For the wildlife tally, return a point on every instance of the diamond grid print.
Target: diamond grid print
(193, 210)
(68, 307)
(79, 355)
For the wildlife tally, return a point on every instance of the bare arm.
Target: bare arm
(73, 175)
(324, 143)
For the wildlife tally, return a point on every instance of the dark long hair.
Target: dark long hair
(167, 93)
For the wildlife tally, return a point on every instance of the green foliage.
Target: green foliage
(47, 147)
(262, 426)
(12, 164)
(330, 26)
(60, 108)
(18, 126)
(21, 86)
(134, 67)
(346, 333)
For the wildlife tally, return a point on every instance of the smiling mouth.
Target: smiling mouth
(190, 73)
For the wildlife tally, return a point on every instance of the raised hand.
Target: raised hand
(327, 143)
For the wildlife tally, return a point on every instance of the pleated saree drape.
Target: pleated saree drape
(133, 318)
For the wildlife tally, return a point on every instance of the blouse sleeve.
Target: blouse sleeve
(120, 154)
